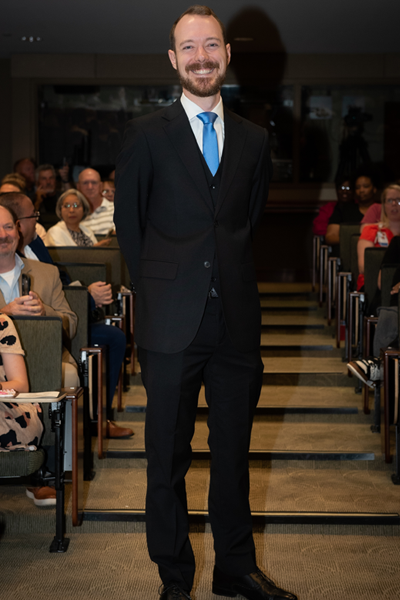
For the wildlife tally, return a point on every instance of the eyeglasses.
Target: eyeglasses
(105, 192)
(393, 201)
(35, 215)
(345, 188)
(72, 205)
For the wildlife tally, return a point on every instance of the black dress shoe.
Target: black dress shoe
(173, 592)
(255, 586)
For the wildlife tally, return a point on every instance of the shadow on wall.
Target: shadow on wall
(258, 65)
(259, 55)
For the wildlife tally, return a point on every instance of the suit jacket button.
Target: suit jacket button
(207, 264)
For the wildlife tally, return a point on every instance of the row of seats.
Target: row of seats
(354, 324)
(41, 338)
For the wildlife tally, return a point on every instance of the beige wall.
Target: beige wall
(5, 116)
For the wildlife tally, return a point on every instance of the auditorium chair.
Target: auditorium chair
(41, 339)
(331, 265)
(390, 404)
(116, 273)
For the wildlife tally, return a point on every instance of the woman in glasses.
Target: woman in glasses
(71, 208)
(380, 234)
(108, 190)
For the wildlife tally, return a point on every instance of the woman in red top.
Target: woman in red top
(380, 234)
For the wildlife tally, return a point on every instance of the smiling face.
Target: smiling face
(9, 237)
(72, 212)
(200, 56)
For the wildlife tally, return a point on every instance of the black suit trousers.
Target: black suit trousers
(232, 382)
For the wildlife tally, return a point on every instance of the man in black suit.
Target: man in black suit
(192, 183)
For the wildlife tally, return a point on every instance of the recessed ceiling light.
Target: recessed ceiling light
(31, 38)
(244, 39)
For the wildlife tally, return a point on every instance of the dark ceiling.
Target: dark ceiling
(127, 27)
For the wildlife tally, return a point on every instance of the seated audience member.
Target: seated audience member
(100, 294)
(380, 234)
(15, 183)
(343, 192)
(21, 427)
(108, 190)
(26, 167)
(48, 189)
(45, 297)
(72, 208)
(101, 217)
(369, 371)
(351, 212)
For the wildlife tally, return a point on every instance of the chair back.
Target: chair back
(354, 256)
(84, 273)
(41, 339)
(111, 257)
(78, 299)
(372, 264)
(345, 233)
(113, 240)
(387, 274)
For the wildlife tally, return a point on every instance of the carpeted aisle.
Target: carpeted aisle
(307, 408)
(333, 563)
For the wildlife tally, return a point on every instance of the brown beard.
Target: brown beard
(205, 87)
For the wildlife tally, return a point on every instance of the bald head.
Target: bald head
(89, 183)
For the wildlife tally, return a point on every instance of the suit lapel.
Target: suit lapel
(181, 136)
(235, 137)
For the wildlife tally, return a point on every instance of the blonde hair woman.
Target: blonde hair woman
(380, 234)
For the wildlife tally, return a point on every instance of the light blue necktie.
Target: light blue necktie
(210, 141)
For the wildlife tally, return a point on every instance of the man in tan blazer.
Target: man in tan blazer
(45, 296)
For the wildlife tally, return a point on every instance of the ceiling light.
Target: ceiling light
(31, 38)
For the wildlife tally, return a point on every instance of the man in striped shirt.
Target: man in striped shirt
(101, 218)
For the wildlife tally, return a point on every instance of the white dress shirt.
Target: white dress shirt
(192, 110)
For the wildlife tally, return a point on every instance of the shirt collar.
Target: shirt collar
(192, 109)
(103, 206)
(19, 265)
(19, 262)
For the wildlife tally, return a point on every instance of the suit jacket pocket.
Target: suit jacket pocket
(158, 269)
(249, 272)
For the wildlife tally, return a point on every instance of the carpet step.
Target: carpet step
(316, 435)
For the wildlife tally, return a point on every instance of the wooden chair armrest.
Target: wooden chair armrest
(75, 396)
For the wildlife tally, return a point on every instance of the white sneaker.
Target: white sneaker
(368, 371)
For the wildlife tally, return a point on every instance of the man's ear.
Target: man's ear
(172, 58)
(228, 53)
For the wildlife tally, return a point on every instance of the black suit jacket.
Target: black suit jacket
(170, 232)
